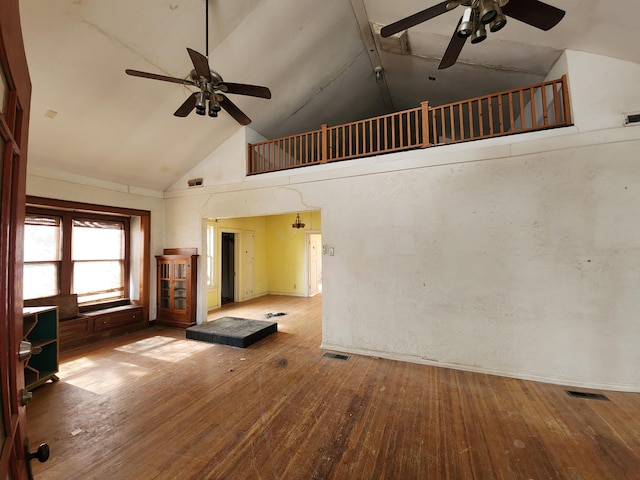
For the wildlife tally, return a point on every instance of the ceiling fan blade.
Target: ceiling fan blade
(188, 105)
(233, 110)
(244, 89)
(534, 12)
(454, 48)
(200, 64)
(154, 76)
(415, 19)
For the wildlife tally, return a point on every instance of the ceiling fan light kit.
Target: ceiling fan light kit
(466, 25)
(477, 14)
(488, 9)
(498, 22)
(479, 31)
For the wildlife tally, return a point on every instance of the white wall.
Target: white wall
(602, 89)
(517, 256)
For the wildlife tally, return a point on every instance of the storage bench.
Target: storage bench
(77, 328)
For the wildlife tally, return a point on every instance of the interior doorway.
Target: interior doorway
(314, 264)
(228, 270)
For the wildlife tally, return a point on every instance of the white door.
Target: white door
(248, 263)
(314, 263)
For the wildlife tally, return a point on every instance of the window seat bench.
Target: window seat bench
(77, 328)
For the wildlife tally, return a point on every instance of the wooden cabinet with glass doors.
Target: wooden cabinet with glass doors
(177, 287)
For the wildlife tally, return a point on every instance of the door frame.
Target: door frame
(237, 238)
(308, 233)
(14, 128)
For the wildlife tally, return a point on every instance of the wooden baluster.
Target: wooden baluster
(500, 114)
(324, 139)
(511, 117)
(545, 115)
(480, 119)
(490, 108)
(424, 111)
(522, 117)
(565, 100)
(556, 103)
(532, 99)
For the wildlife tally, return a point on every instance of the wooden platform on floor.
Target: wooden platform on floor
(232, 331)
(153, 405)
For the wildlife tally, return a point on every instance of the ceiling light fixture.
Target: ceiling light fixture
(379, 75)
(466, 24)
(488, 10)
(298, 223)
(499, 21)
(473, 21)
(201, 105)
(214, 105)
(479, 31)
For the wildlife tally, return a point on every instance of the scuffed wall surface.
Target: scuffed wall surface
(522, 265)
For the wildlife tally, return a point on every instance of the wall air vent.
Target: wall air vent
(632, 119)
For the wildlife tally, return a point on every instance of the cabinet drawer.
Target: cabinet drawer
(73, 327)
(117, 320)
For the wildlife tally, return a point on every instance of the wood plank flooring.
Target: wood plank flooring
(153, 405)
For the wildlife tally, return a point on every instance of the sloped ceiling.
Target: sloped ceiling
(318, 58)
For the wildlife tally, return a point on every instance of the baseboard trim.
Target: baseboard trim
(629, 388)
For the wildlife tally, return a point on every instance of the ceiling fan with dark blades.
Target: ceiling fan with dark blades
(210, 97)
(212, 90)
(477, 15)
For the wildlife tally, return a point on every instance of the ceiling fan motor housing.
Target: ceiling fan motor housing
(216, 78)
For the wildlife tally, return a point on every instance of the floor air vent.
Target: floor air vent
(590, 396)
(337, 356)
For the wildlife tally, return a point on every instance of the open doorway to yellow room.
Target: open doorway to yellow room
(250, 257)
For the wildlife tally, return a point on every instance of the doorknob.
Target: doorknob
(42, 454)
(26, 350)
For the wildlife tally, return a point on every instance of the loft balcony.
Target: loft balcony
(537, 107)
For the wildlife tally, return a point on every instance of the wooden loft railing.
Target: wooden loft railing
(536, 107)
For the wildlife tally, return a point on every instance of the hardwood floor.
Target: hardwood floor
(153, 405)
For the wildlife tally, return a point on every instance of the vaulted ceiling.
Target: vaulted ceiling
(317, 58)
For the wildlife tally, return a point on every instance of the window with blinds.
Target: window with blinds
(73, 252)
(42, 255)
(98, 259)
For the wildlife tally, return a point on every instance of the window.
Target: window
(74, 252)
(97, 255)
(42, 255)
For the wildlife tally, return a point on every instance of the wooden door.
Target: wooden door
(15, 97)
(227, 268)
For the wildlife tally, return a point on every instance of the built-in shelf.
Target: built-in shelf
(40, 327)
(177, 283)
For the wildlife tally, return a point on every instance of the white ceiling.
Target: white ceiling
(317, 58)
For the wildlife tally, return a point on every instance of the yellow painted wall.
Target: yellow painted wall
(279, 261)
(286, 251)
